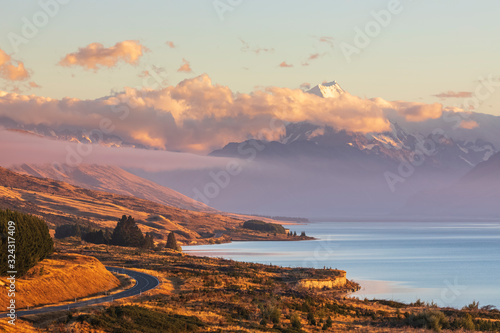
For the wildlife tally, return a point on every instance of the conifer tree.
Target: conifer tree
(172, 242)
(148, 241)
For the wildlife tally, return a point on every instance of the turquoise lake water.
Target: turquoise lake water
(448, 263)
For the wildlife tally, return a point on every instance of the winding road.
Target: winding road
(144, 282)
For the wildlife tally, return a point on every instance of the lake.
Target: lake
(448, 263)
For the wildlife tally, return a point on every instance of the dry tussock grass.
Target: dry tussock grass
(61, 278)
(20, 326)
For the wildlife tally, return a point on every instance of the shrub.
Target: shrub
(474, 306)
(464, 322)
(435, 320)
(132, 318)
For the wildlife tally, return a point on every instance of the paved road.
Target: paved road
(144, 282)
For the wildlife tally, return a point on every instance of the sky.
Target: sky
(419, 50)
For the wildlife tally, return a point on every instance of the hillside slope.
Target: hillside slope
(59, 203)
(61, 278)
(115, 180)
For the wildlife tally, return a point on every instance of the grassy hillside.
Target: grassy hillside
(61, 278)
(115, 180)
(60, 203)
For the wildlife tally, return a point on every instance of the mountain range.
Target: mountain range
(477, 194)
(416, 167)
(318, 171)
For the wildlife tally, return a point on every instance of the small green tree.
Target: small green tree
(172, 242)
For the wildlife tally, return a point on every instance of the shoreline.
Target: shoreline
(374, 286)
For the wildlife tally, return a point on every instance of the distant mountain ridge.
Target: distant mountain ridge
(115, 180)
(477, 194)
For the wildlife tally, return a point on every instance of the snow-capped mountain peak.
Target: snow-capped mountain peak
(327, 90)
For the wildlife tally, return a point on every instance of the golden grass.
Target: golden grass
(20, 326)
(7, 192)
(61, 278)
(59, 203)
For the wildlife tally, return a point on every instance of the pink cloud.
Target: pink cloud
(195, 115)
(95, 56)
(312, 57)
(285, 65)
(185, 67)
(257, 50)
(469, 124)
(12, 70)
(412, 111)
(170, 44)
(305, 86)
(327, 40)
(454, 94)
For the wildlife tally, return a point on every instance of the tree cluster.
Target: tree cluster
(126, 233)
(86, 233)
(24, 238)
(262, 226)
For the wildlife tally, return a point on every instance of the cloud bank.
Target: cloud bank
(95, 56)
(454, 94)
(199, 116)
(18, 148)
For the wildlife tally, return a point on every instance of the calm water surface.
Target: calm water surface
(448, 263)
